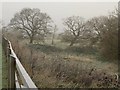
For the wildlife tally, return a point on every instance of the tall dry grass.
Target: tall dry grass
(54, 67)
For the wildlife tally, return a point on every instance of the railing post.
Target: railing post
(9, 66)
(13, 65)
(5, 45)
(12, 73)
(8, 52)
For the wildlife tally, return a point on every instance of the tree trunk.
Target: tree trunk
(31, 62)
(53, 39)
(73, 42)
(53, 35)
(31, 40)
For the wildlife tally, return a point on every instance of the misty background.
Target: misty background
(59, 10)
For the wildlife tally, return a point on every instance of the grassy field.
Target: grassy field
(69, 62)
(59, 65)
(75, 54)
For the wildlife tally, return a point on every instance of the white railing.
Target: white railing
(16, 69)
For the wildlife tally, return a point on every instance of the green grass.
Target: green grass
(0, 67)
(49, 49)
(46, 48)
(4, 72)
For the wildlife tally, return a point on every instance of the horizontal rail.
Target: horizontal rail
(26, 80)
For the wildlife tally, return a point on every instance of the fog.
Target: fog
(59, 10)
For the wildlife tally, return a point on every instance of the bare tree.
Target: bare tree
(32, 22)
(53, 36)
(106, 29)
(109, 43)
(97, 26)
(76, 26)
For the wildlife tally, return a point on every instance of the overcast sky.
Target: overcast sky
(58, 11)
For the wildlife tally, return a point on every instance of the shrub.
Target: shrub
(109, 41)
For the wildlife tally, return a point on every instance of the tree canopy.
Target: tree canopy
(32, 22)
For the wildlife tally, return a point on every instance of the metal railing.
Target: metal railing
(17, 75)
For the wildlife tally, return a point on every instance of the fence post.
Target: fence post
(12, 72)
(8, 53)
(4, 45)
(9, 66)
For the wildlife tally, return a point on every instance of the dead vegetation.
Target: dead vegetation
(52, 67)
